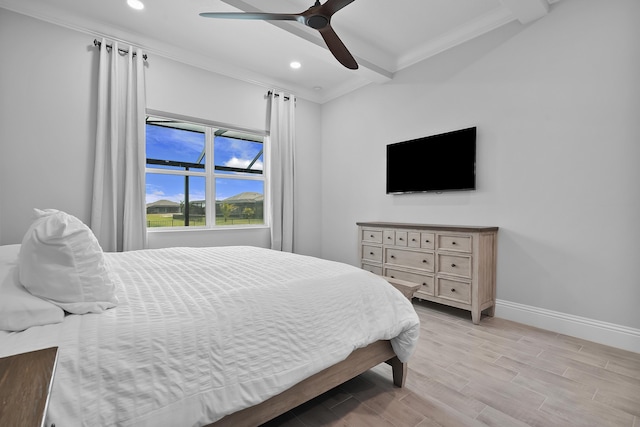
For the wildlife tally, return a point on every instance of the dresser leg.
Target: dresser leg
(491, 311)
(475, 316)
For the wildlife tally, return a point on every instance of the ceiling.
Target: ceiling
(384, 36)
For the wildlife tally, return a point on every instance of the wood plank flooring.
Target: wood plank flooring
(498, 373)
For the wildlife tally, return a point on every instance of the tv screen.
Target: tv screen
(444, 162)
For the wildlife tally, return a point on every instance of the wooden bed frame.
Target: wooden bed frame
(358, 362)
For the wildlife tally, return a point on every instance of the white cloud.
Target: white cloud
(235, 162)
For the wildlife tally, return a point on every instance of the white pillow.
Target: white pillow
(19, 310)
(62, 262)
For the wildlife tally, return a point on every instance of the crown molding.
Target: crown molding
(527, 10)
(374, 69)
(153, 47)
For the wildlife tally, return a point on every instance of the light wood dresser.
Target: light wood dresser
(454, 265)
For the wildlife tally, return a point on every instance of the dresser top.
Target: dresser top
(437, 227)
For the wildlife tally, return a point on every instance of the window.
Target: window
(201, 175)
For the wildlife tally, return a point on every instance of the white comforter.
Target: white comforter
(201, 333)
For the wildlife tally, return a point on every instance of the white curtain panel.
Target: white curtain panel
(281, 178)
(118, 211)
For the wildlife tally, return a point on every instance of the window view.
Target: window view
(187, 189)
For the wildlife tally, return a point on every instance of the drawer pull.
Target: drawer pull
(453, 289)
(424, 283)
(453, 265)
(400, 238)
(424, 261)
(392, 277)
(370, 253)
(413, 240)
(392, 256)
(388, 237)
(371, 235)
(426, 241)
(453, 243)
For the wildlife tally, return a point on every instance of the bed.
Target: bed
(199, 336)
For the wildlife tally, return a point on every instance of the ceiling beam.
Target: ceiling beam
(527, 10)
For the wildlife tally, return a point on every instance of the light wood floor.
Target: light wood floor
(498, 373)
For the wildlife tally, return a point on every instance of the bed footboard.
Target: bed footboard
(358, 362)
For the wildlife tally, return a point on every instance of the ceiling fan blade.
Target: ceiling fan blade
(332, 6)
(250, 15)
(337, 48)
(317, 17)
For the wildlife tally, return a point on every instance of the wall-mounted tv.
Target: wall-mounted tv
(443, 162)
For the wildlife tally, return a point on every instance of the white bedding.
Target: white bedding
(201, 333)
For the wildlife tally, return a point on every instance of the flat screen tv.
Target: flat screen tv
(436, 163)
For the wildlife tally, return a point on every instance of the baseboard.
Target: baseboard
(581, 327)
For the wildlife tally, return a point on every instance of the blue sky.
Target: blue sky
(187, 146)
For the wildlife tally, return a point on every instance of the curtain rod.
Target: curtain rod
(98, 43)
(272, 93)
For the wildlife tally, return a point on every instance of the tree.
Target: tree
(248, 213)
(227, 209)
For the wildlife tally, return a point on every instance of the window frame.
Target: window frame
(210, 174)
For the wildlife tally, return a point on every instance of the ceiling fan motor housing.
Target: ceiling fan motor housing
(317, 22)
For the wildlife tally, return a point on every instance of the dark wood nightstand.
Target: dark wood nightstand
(25, 384)
(407, 288)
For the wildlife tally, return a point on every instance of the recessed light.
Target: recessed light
(135, 4)
(295, 65)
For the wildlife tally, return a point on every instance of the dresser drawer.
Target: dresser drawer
(375, 269)
(371, 235)
(372, 253)
(457, 265)
(453, 290)
(457, 243)
(413, 239)
(427, 240)
(425, 280)
(401, 238)
(389, 237)
(412, 259)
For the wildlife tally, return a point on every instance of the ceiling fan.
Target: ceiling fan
(317, 17)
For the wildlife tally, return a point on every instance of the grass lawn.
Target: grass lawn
(166, 220)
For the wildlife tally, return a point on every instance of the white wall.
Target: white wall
(557, 106)
(46, 122)
(47, 129)
(308, 182)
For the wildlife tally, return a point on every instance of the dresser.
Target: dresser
(454, 265)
